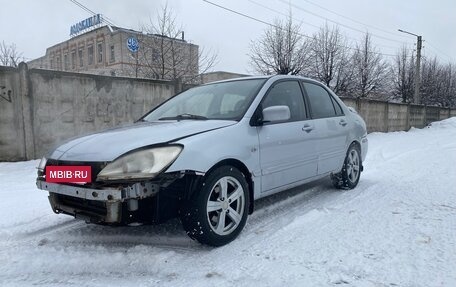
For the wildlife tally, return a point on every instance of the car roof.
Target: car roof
(272, 77)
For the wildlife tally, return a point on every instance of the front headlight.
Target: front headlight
(141, 164)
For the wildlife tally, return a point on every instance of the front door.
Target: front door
(288, 152)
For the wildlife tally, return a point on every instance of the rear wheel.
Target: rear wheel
(348, 178)
(217, 213)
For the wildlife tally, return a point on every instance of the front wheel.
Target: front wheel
(348, 178)
(217, 213)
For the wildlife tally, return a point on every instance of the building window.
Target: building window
(81, 57)
(59, 64)
(73, 59)
(66, 62)
(51, 64)
(90, 54)
(100, 52)
(155, 55)
(112, 56)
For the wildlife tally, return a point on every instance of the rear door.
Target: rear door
(332, 127)
(288, 151)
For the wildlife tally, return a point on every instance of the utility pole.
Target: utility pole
(417, 80)
(417, 96)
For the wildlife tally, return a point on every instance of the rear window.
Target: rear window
(337, 107)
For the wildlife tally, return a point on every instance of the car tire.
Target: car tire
(217, 212)
(349, 176)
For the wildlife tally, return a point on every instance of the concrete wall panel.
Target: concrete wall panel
(417, 116)
(70, 104)
(11, 125)
(374, 113)
(397, 117)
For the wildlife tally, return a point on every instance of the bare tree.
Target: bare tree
(281, 50)
(432, 86)
(438, 86)
(165, 54)
(331, 59)
(369, 69)
(449, 89)
(9, 56)
(403, 73)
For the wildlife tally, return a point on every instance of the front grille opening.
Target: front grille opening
(91, 206)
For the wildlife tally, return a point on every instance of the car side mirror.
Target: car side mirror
(276, 114)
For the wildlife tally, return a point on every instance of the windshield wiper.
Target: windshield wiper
(184, 117)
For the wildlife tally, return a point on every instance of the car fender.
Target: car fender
(237, 142)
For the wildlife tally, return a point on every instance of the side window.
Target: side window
(321, 104)
(287, 94)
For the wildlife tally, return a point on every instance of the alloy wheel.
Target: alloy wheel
(225, 205)
(353, 165)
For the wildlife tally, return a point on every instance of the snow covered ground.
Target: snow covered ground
(397, 228)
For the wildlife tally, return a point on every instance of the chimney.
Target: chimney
(183, 38)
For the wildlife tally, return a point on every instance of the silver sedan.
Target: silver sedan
(207, 154)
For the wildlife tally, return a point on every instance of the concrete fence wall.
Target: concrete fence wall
(41, 108)
(12, 129)
(381, 116)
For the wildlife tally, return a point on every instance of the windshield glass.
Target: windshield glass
(227, 101)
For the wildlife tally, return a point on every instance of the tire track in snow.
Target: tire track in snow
(51, 229)
(305, 200)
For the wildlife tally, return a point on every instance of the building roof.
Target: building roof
(114, 29)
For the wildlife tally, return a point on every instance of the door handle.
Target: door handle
(343, 123)
(307, 128)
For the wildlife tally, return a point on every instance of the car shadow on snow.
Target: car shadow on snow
(170, 235)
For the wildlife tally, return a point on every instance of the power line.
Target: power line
(281, 13)
(244, 15)
(278, 27)
(110, 22)
(355, 21)
(338, 23)
(307, 23)
(438, 50)
(83, 7)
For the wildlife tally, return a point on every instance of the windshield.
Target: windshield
(227, 101)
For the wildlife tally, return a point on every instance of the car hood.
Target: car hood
(110, 144)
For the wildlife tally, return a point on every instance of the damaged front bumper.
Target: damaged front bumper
(96, 204)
